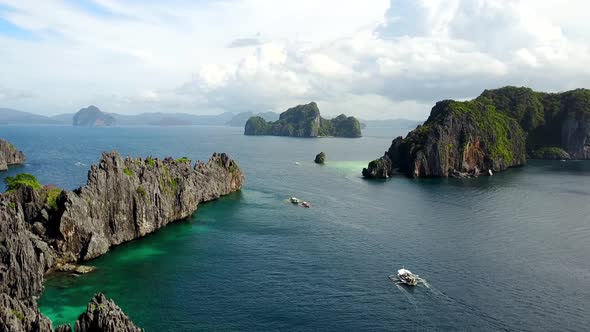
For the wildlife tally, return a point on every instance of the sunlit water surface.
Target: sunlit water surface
(508, 252)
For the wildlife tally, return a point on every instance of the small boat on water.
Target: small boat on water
(306, 205)
(294, 200)
(407, 277)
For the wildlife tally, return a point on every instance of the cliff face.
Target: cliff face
(42, 228)
(24, 258)
(9, 155)
(497, 130)
(558, 120)
(304, 121)
(92, 117)
(129, 198)
(459, 139)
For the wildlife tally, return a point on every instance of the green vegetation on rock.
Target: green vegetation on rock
(20, 180)
(551, 153)
(495, 131)
(127, 171)
(18, 314)
(304, 121)
(52, 194)
(141, 190)
(183, 160)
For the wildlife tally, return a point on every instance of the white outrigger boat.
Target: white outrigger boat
(406, 277)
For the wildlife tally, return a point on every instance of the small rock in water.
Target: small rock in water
(320, 158)
(78, 269)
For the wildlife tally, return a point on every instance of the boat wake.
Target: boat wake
(414, 297)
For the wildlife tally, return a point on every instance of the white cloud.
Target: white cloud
(375, 59)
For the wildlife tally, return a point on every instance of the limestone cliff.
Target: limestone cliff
(497, 130)
(458, 139)
(304, 121)
(9, 155)
(125, 199)
(42, 228)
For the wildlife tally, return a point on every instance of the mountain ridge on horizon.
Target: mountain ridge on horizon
(10, 116)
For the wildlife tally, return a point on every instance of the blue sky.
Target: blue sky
(373, 59)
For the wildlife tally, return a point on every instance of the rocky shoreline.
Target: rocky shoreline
(499, 129)
(44, 229)
(10, 155)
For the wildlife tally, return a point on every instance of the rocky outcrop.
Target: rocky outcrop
(126, 199)
(91, 116)
(304, 121)
(104, 315)
(495, 131)
(19, 316)
(459, 139)
(24, 258)
(9, 155)
(45, 228)
(320, 158)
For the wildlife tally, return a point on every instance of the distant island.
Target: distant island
(304, 121)
(497, 130)
(91, 116)
(10, 155)
(240, 119)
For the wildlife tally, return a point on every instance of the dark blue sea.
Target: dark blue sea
(504, 253)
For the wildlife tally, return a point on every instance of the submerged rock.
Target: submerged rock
(104, 315)
(320, 158)
(73, 268)
(10, 155)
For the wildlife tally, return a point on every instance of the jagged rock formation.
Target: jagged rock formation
(304, 121)
(45, 228)
(497, 130)
(104, 315)
(9, 155)
(19, 316)
(320, 158)
(24, 258)
(129, 198)
(91, 116)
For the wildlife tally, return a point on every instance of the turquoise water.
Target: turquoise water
(508, 252)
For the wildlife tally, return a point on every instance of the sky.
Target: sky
(374, 59)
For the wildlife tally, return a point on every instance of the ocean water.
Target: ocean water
(503, 253)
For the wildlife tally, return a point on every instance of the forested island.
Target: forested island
(499, 129)
(304, 121)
